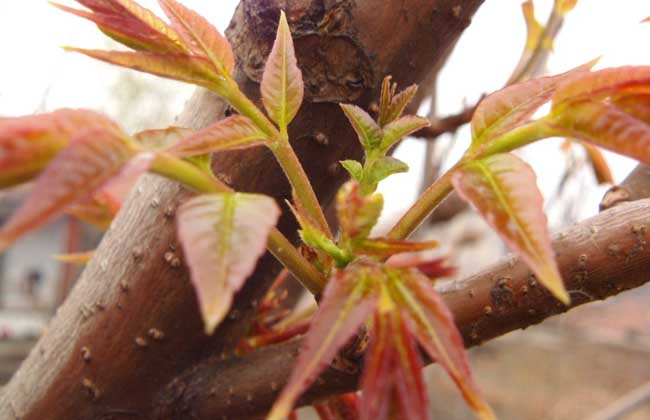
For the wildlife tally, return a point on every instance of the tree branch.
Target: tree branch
(598, 258)
(133, 313)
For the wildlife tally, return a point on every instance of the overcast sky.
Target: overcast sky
(36, 75)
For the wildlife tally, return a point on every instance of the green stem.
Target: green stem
(203, 182)
(512, 140)
(294, 171)
(425, 204)
(279, 143)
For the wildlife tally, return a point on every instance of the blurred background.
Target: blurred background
(570, 367)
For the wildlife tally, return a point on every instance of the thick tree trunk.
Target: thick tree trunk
(131, 324)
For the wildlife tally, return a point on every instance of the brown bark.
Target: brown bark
(598, 258)
(131, 324)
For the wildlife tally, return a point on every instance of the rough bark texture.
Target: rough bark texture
(598, 258)
(131, 324)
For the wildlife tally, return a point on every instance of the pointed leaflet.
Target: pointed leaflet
(202, 37)
(379, 170)
(27, 144)
(233, 132)
(392, 372)
(503, 189)
(84, 166)
(347, 302)
(433, 325)
(604, 83)
(512, 106)
(398, 129)
(386, 247)
(181, 67)
(354, 168)
(129, 24)
(367, 129)
(282, 86)
(223, 236)
(603, 125)
(161, 138)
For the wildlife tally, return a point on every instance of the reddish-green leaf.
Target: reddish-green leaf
(637, 105)
(339, 407)
(392, 372)
(503, 189)
(347, 302)
(223, 236)
(433, 325)
(27, 144)
(282, 85)
(233, 132)
(200, 35)
(391, 105)
(130, 24)
(162, 138)
(604, 125)
(367, 129)
(183, 67)
(603, 83)
(400, 128)
(357, 213)
(512, 106)
(386, 247)
(84, 166)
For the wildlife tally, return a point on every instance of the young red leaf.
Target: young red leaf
(28, 144)
(512, 106)
(386, 247)
(637, 105)
(503, 189)
(183, 67)
(161, 138)
(200, 35)
(400, 128)
(84, 166)
(357, 213)
(399, 102)
(223, 236)
(282, 85)
(392, 372)
(130, 24)
(603, 83)
(604, 125)
(391, 105)
(366, 128)
(347, 301)
(233, 132)
(433, 325)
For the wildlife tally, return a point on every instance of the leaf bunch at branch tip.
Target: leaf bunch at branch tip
(378, 137)
(223, 236)
(189, 49)
(406, 309)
